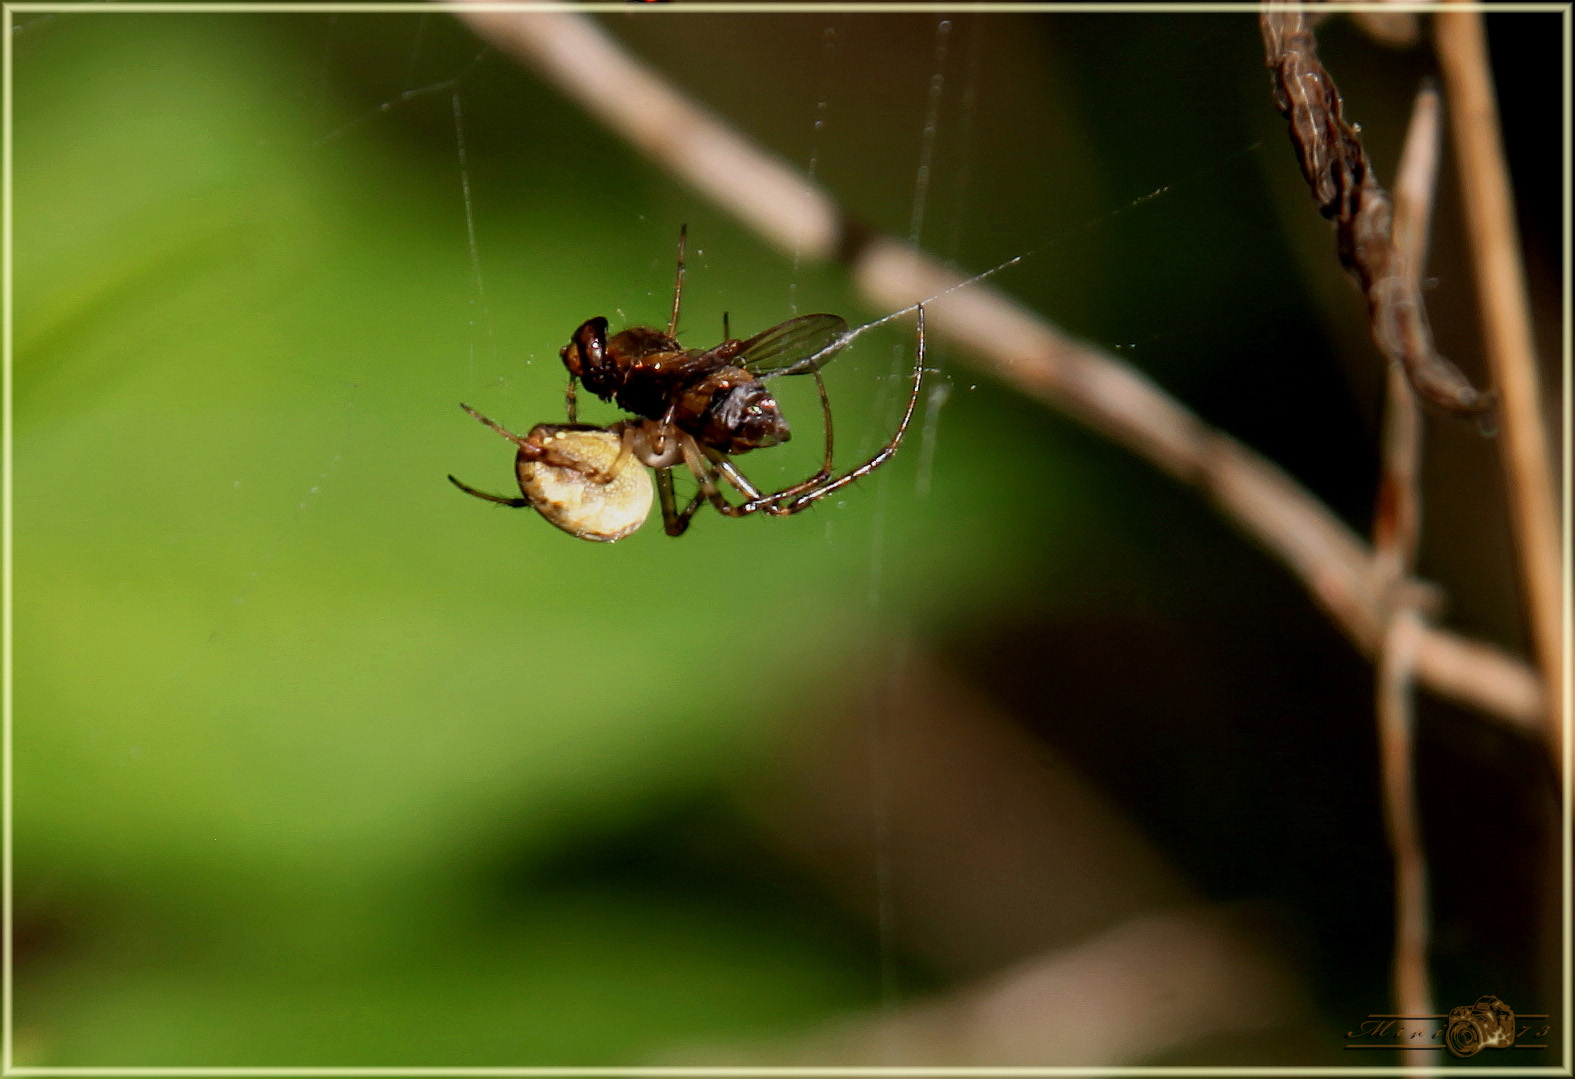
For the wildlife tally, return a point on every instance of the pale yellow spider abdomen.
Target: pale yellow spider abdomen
(577, 502)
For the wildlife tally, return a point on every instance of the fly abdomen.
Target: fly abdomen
(738, 413)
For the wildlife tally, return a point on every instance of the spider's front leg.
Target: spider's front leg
(527, 447)
(771, 503)
(793, 500)
(533, 448)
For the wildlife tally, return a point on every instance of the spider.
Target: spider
(695, 407)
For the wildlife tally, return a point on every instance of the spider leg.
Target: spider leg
(721, 466)
(794, 500)
(519, 440)
(517, 503)
(665, 429)
(675, 521)
(825, 463)
(604, 475)
(570, 400)
(754, 501)
(672, 524)
(532, 450)
(705, 472)
(825, 412)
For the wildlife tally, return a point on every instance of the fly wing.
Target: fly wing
(795, 347)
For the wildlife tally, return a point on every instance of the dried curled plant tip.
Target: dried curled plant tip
(1327, 147)
(1335, 166)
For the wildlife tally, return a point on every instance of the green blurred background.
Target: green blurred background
(318, 761)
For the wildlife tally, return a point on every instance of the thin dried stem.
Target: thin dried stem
(1396, 530)
(1501, 293)
(1393, 29)
(1020, 348)
(1413, 994)
(1395, 709)
(1397, 520)
(1117, 1000)
(1415, 182)
(1397, 517)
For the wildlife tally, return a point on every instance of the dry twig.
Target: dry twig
(1397, 521)
(1156, 986)
(1391, 29)
(1396, 529)
(1501, 292)
(1020, 348)
(1413, 994)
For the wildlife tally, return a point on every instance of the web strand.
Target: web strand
(828, 54)
(447, 85)
(470, 235)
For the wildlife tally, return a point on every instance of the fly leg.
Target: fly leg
(678, 285)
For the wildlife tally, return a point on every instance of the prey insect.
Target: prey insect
(695, 408)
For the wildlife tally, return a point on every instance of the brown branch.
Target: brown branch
(1020, 348)
(1396, 529)
(1398, 520)
(1413, 994)
(1392, 29)
(1166, 985)
(1337, 170)
(1501, 293)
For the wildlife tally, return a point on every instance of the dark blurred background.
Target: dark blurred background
(318, 762)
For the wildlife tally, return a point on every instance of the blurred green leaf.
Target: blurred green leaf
(276, 680)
